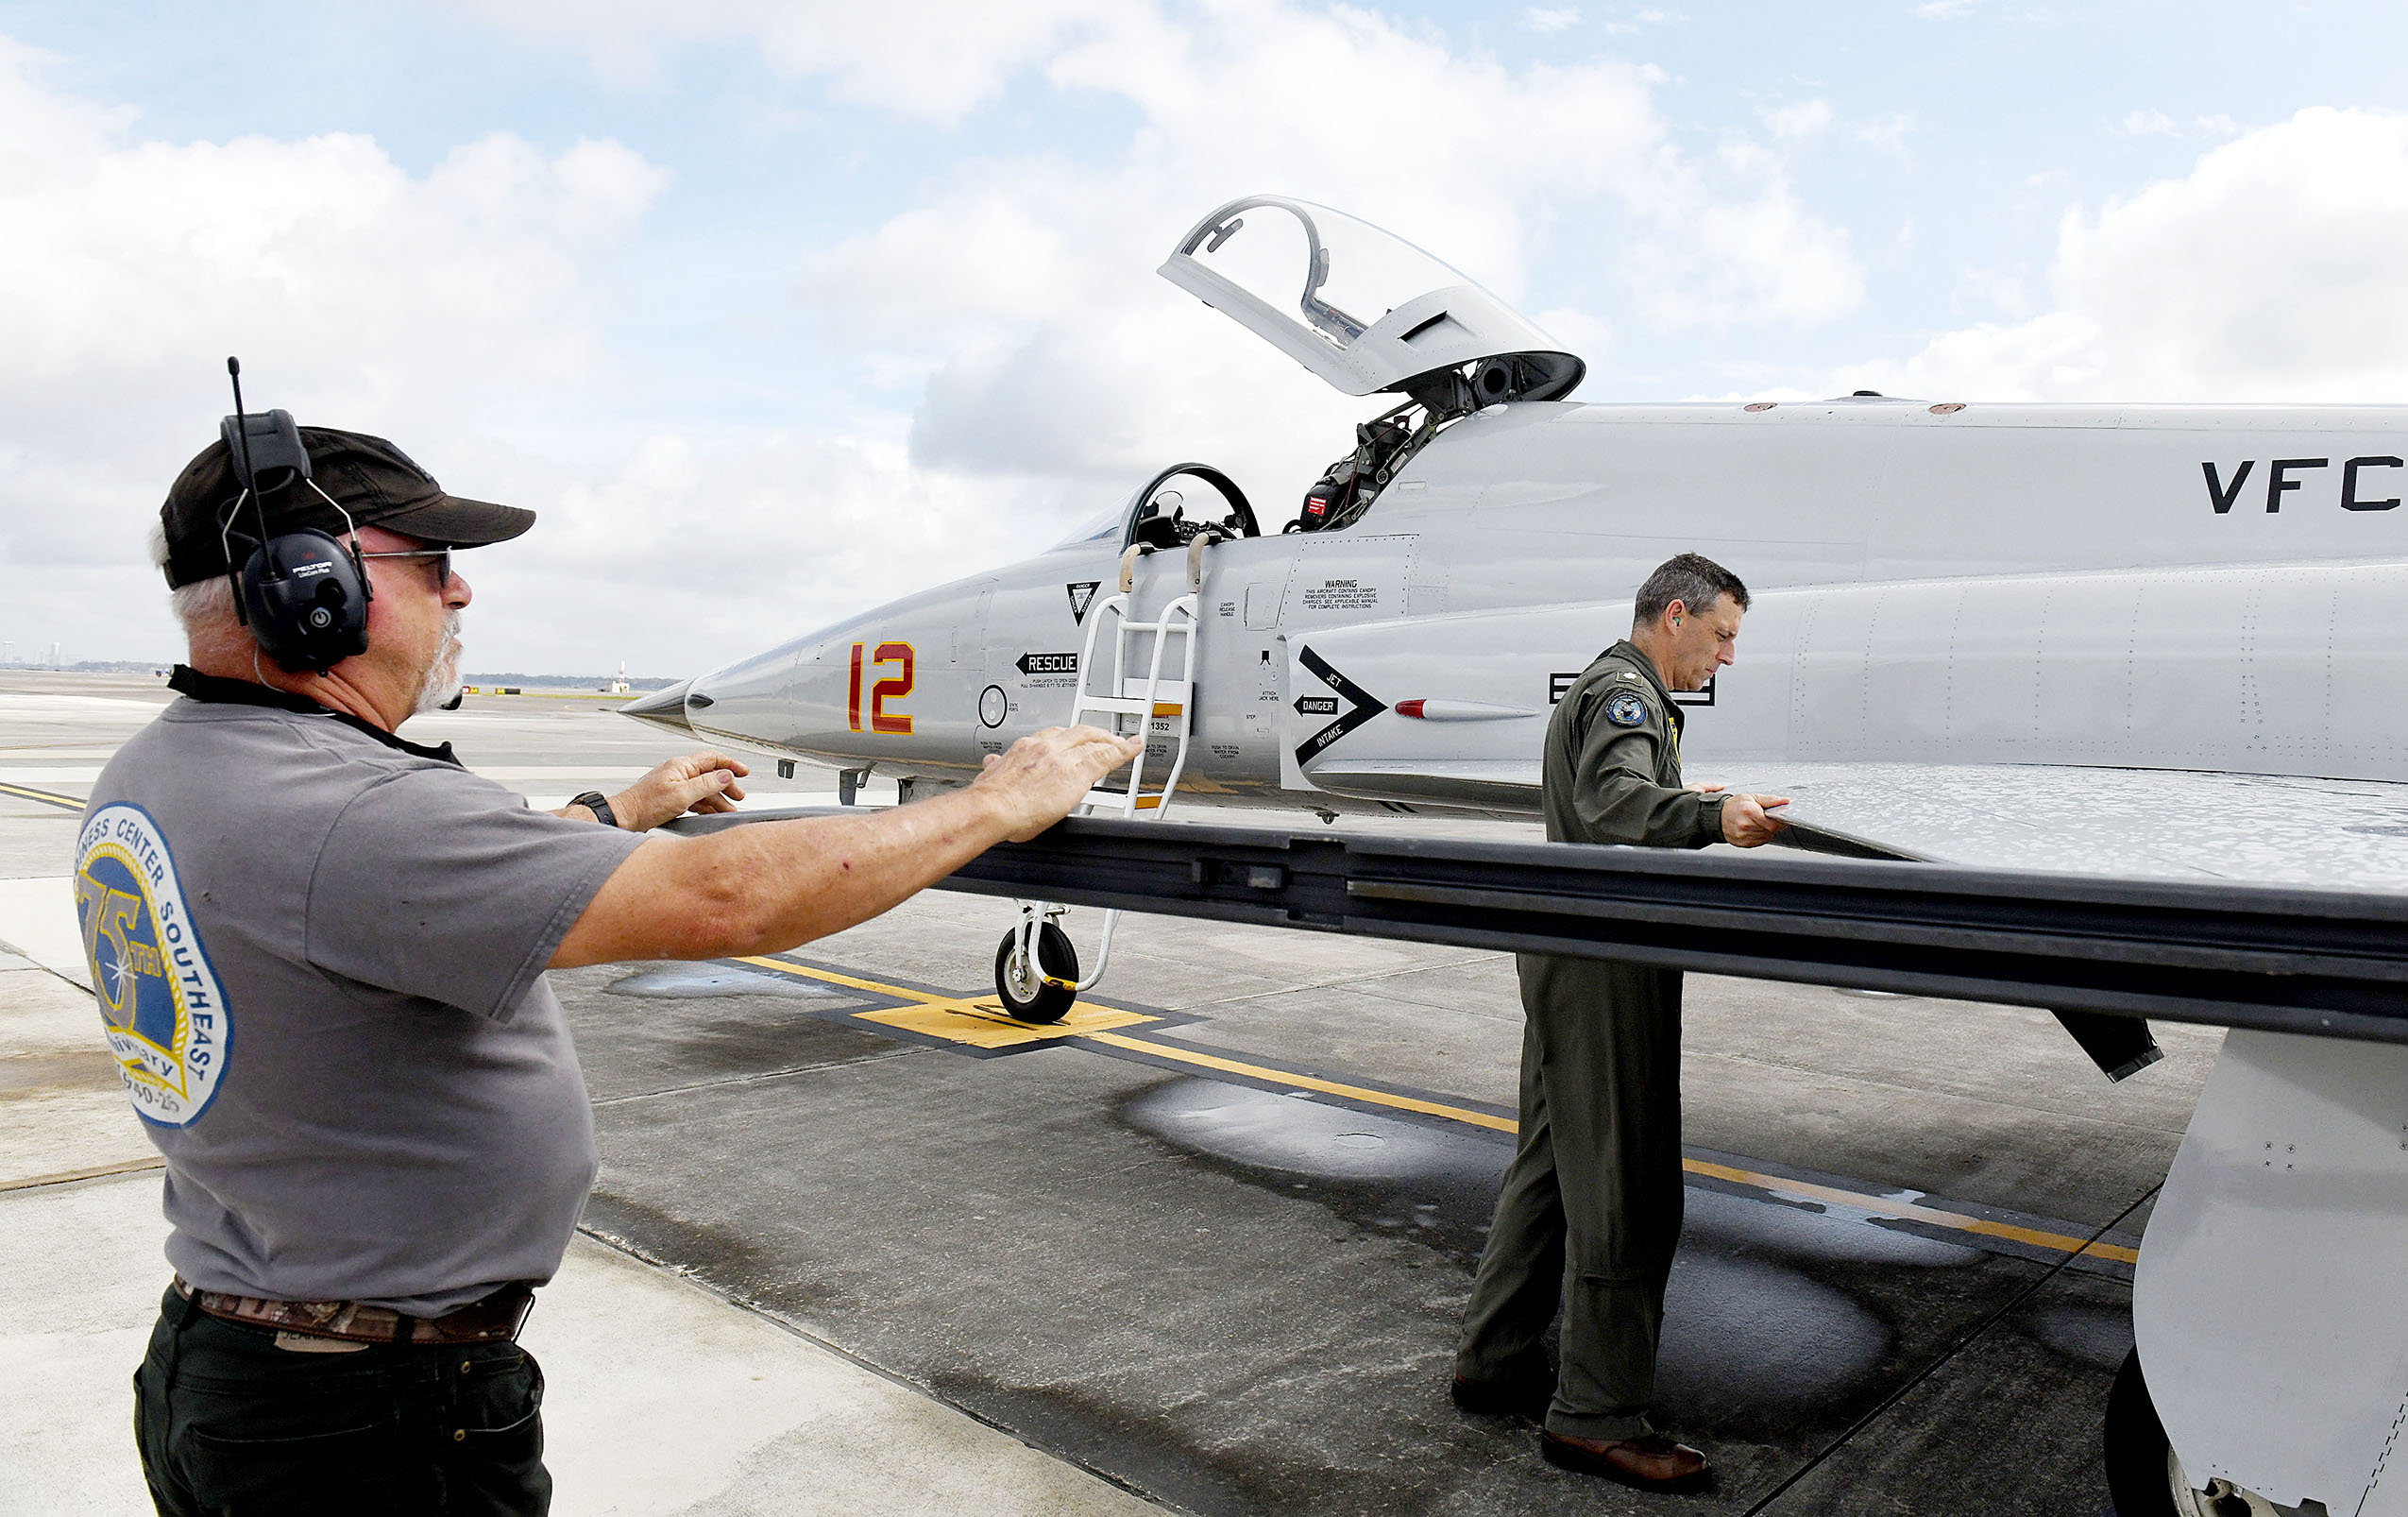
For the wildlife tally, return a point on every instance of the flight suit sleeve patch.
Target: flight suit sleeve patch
(1625, 709)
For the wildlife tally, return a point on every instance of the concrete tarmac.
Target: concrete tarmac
(1207, 1245)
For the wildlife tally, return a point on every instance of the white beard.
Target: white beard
(442, 680)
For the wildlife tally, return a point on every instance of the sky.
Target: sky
(775, 311)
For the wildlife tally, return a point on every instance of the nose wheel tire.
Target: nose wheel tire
(2143, 1475)
(1024, 992)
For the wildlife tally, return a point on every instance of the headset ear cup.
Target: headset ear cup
(308, 601)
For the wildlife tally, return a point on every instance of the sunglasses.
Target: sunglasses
(442, 557)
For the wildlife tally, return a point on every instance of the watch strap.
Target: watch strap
(592, 801)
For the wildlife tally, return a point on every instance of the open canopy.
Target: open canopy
(1363, 309)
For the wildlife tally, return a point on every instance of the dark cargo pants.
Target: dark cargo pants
(1590, 1211)
(230, 1425)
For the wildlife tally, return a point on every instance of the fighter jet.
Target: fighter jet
(2148, 640)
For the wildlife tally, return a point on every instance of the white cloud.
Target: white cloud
(1064, 356)
(356, 294)
(937, 60)
(1888, 133)
(2158, 124)
(1807, 118)
(688, 554)
(1946, 10)
(1550, 22)
(454, 309)
(2268, 273)
(1765, 259)
(1640, 21)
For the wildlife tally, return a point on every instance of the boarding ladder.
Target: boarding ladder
(1128, 705)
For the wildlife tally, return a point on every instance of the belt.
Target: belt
(493, 1318)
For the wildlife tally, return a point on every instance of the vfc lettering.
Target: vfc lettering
(2280, 481)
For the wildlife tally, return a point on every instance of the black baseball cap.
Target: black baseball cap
(377, 483)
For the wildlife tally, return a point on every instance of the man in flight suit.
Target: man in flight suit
(1590, 1209)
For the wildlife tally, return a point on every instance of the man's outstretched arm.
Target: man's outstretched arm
(771, 885)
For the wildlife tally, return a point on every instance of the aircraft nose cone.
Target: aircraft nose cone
(663, 708)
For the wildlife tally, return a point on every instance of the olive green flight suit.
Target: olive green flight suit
(1590, 1210)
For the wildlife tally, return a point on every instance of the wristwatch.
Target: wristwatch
(592, 801)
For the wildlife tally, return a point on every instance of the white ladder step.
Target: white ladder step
(1119, 798)
(1130, 704)
(1170, 692)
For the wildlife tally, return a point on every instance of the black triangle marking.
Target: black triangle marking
(1361, 706)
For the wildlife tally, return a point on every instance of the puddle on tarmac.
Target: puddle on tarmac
(1381, 1174)
(2095, 1336)
(1774, 1313)
(702, 981)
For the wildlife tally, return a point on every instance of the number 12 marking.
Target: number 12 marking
(891, 688)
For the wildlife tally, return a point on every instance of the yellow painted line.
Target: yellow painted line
(1906, 1212)
(95, 1173)
(1297, 1082)
(47, 797)
(941, 1015)
(1168, 708)
(806, 972)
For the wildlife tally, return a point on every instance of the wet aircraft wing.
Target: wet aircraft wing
(2342, 834)
(2167, 823)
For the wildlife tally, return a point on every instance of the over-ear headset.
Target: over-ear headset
(303, 594)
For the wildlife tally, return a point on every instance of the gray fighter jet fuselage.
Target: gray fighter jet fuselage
(2143, 586)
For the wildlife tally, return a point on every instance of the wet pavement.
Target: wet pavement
(1236, 1297)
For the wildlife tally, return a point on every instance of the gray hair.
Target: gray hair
(1693, 579)
(206, 606)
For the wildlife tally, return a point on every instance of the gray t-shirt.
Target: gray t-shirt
(319, 957)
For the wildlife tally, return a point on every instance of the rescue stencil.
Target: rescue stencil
(159, 1000)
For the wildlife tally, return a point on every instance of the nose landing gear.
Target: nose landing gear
(1037, 972)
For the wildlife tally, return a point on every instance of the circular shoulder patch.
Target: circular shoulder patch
(1626, 710)
(159, 1000)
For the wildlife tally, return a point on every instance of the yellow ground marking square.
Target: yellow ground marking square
(982, 1022)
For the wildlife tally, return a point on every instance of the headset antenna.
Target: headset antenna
(251, 481)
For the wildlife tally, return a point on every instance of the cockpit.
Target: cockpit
(1367, 312)
(1171, 510)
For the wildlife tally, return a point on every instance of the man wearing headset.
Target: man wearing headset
(1590, 1213)
(319, 951)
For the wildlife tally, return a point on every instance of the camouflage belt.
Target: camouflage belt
(494, 1318)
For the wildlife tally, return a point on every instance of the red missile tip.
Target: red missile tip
(1411, 709)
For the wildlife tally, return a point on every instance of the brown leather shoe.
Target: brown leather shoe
(1653, 1462)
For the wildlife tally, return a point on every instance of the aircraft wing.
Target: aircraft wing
(2344, 834)
(1509, 785)
(2168, 824)
(1450, 711)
